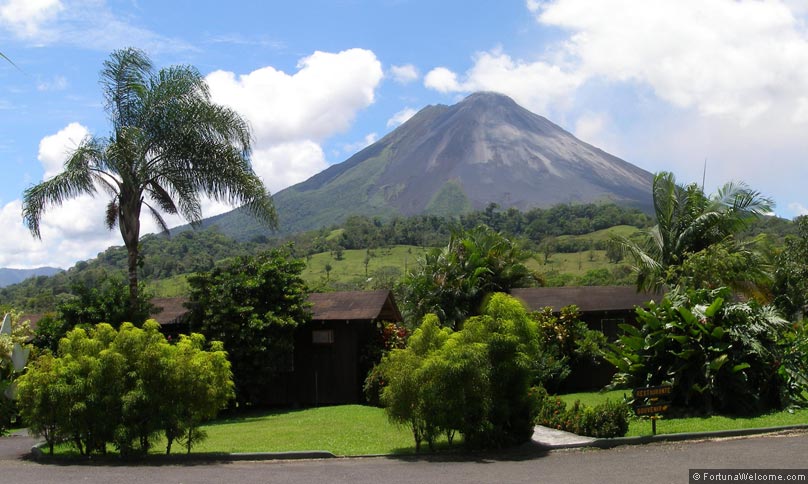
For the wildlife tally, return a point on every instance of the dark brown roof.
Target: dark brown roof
(173, 308)
(353, 305)
(587, 298)
(327, 306)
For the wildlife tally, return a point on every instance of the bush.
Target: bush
(124, 388)
(719, 356)
(253, 305)
(475, 381)
(606, 420)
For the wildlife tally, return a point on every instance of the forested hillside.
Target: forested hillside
(568, 243)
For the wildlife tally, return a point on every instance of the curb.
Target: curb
(649, 439)
(37, 454)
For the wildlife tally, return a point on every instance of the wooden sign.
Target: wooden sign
(651, 409)
(652, 392)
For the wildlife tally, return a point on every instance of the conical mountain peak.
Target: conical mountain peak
(447, 160)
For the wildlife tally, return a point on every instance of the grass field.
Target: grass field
(395, 260)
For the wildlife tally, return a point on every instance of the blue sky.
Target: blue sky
(664, 84)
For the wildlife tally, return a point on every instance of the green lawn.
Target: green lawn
(638, 426)
(342, 430)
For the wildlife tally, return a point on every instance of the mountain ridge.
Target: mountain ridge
(13, 276)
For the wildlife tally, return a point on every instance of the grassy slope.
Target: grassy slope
(352, 265)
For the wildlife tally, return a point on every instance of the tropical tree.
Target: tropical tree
(252, 304)
(688, 221)
(169, 144)
(452, 282)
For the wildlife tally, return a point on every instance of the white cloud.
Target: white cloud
(535, 85)
(798, 208)
(285, 164)
(401, 117)
(443, 80)
(725, 58)
(27, 18)
(53, 149)
(404, 74)
(291, 114)
(319, 100)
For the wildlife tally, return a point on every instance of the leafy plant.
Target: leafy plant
(252, 304)
(475, 381)
(719, 356)
(124, 388)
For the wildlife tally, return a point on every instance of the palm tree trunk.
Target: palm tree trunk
(129, 223)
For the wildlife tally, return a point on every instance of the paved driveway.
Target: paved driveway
(658, 463)
(16, 446)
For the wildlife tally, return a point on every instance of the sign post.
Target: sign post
(647, 401)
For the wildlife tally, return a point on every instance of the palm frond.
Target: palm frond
(64, 186)
(112, 214)
(158, 219)
(124, 82)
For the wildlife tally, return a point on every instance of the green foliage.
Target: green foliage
(452, 282)
(605, 420)
(791, 272)
(565, 340)
(252, 304)
(474, 381)
(124, 388)
(14, 351)
(719, 356)
(688, 221)
(105, 302)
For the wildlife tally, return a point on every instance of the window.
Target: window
(322, 336)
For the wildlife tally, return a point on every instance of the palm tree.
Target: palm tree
(688, 222)
(169, 144)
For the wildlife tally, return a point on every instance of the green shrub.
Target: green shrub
(719, 356)
(606, 420)
(124, 388)
(475, 381)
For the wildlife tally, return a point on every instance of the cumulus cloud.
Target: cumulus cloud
(401, 117)
(404, 74)
(291, 114)
(53, 149)
(535, 85)
(284, 164)
(27, 18)
(319, 100)
(723, 57)
(443, 80)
